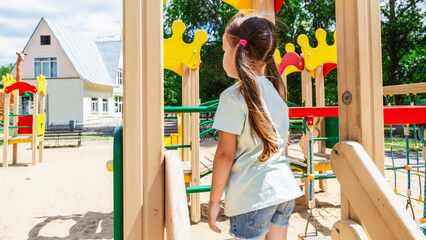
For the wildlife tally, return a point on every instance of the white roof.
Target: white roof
(83, 54)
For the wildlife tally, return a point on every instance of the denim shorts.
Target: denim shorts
(255, 224)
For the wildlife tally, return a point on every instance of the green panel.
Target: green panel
(332, 130)
(118, 183)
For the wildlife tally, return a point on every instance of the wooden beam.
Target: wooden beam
(6, 119)
(405, 89)
(152, 120)
(177, 216)
(42, 111)
(348, 230)
(132, 118)
(34, 139)
(15, 123)
(195, 147)
(186, 119)
(381, 212)
(360, 80)
(320, 102)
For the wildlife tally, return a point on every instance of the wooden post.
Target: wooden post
(307, 99)
(195, 146)
(143, 167)
(265, 8)
(320, 102)
(186, 118)
(360, 80)
(34, 132)
(40, 144)
(15, 123)
(6, 129)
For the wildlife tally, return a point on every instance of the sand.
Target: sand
(70, 196)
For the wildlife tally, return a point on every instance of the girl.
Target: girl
(253, 121)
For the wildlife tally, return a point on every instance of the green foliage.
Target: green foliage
(5, 69)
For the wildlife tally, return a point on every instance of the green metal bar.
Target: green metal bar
(20, 115)
(295, 126)
(292, 104)
(298, 166)
(177, 146)
(207, 131)
(326, 138)
(205, 174)
(21, 127)
(206, 122)
(198, 189)
(209, 103)
(207, 109)
(118, 183)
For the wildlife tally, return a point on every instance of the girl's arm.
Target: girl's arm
(224, 157)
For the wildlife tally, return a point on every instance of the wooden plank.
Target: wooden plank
(320, 102)
(15, 123)
(186, 119)
(132, 117)
(348, 230)
(195, 143)
(152, 121)
(265, 8)
(404, 89)
(6, 119)
(34, 132)
(359, 73)
(177, 216)
(370, 195)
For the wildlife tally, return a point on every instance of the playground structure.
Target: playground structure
(26, 128)
(360, 119)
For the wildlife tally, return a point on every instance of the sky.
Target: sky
(96, 19)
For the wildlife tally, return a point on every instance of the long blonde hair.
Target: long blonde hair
(262, 40)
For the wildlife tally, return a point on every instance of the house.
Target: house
(85, 83)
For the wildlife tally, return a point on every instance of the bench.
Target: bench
(63, 134)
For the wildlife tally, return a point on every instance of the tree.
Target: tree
(5, 69)
(403, 43)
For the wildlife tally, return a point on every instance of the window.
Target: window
(105, 105)
(45, 40)
(94, 105)
(120, 76)
(118, 104)
(48, 67)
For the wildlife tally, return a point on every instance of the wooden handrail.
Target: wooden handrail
(177, 215)
(404, 89)
(378, 208)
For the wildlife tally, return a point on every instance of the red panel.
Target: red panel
(278, 5)
(25, 121)
(22, 86)
(291, 59)
(392, 115)
(328, 67)
(298, 112)
(404, 115)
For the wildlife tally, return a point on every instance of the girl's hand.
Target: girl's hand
(214, 209)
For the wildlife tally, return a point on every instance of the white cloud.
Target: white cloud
(95, 19)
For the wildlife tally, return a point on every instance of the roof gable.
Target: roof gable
(110, 52)
(83, 55)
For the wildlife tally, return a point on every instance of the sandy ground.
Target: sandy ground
(69, 196)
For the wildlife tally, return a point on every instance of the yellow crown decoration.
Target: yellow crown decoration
(41, 84)
(177, 52)
(323, 53)
(240, 4)
(8, 80)
(278, 57)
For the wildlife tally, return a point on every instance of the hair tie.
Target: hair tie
(243, 42)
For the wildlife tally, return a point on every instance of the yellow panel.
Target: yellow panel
(322, 167)
(323, 53)
(166, 141)
(289, 47)
(278, 57)
(240, 4)
(41, 124)
(41, 84)
(12, 141)
(176, 51)
(187, 178)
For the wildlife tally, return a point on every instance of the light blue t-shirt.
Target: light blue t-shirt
(252, 184)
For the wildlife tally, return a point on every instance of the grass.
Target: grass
(402, 143)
